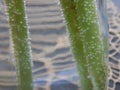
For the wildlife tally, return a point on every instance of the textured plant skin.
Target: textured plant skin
(87, 45)
(20, 38)
(77, 44)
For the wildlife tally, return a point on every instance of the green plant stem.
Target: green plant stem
(86, 42)
(20, 38)
(77, 44)
(94, 45)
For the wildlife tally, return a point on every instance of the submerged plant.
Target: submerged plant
(87, 45)
(84, 32)
(20, 38)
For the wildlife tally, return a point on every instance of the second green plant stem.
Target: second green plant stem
(86, 42)
(77, 45)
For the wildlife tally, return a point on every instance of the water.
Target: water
(54, 67)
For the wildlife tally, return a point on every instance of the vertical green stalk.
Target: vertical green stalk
(77, 45)
(86, 42)
(20, 38)
(94, 45)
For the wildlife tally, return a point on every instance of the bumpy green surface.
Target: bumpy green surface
(19, 35)
(77, 44)
(87, 45)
